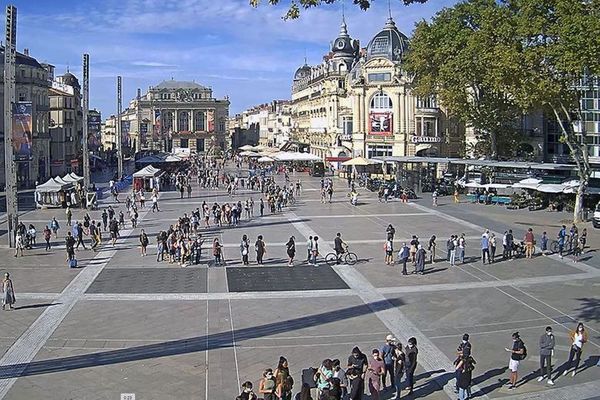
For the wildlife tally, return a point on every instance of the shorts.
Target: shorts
(513, 365)
(389, 253)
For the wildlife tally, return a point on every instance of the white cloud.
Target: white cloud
(152, 64)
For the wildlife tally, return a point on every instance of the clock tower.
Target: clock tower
(344, 50)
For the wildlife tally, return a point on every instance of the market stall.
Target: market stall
(53, 194)
(147, 178)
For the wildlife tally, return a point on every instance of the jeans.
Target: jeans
(452, 257)
(410, 378)
(389, 370)
(313, 258)
(485, 252)
(404, 260)
(461, 255)
(463, 394)
(546, 365)
(575, 352)
(492, 253)
(398, 383)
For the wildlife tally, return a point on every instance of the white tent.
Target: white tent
(247, 147)
(72, 177)
(496, 186)
(265, 159)
(472, 185)
(361, 161)
(551, 188)
(147, 172)
(529, 183)
(249, 154)
(293, 156)
(62, 181)
(52, 186)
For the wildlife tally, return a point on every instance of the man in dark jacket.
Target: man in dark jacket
(411, 363)
(547, 343)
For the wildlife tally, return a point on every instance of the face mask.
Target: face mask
(269, 376)
(247, 390)
(549, 333)
(464, 341)
(581, 329)
(411, 345)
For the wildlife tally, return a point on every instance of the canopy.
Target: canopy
(51, 186)
(265, 159)
(147, 172)
(294, 156)
(472, 184)
(360, 161)
(496, 186)
(62, 181)
(249, 154)
(247, 147)
(551, 188)
(529, 183)
(72, 177)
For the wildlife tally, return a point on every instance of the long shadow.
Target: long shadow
(191, 345)
(589, 309)
(486, 376)
(42, 305)
(433, 270)
(433, 385)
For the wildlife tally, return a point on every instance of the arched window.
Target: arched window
(184, 121)
(168, 120)
(199, 121)
(381, 101)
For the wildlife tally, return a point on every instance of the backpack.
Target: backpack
(524, 355)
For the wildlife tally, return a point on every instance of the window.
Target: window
(380, 77)
(199, 121)
(200, 145)
(380, 45)
(381, 101)
(428, 102)
(184, 143)
(347, 125)
(168, 120)
(379, 150)
(184, 121)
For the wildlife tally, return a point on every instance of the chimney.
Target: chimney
(26, 52)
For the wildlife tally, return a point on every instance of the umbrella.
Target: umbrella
(265, 159)
(360, 161)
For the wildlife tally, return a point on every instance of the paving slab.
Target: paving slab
(150, 280)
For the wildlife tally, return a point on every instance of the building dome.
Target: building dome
(69, 79)
(302, 72)
(342, 45)
(390, 43)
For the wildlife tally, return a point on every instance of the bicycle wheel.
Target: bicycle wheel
(554, 246)
(351, 258)
(331, 259)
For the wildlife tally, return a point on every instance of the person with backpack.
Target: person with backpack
(466, 365)
(387, 353)
(518, 352)
(463, 350)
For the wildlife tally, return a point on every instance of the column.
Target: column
(176, 121)
(192, 127)
(422, 126)
(437, 120)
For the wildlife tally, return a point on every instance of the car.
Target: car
(596, 218)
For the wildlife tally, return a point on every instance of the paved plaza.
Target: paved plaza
(127, 324)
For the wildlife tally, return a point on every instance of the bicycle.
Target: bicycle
(347, 258)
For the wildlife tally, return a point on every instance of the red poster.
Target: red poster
(380, 123)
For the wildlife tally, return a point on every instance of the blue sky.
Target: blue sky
(246, 53)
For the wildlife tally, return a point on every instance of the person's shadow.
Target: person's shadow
(487, 376)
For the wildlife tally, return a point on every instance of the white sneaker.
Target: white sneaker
(550, 382)
(565, 372)
(573, 373)
(541, 378)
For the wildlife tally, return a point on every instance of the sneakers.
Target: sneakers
(565, 372)
(541, 378)
(573, 373)
(550, 382)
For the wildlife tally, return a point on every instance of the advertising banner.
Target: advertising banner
(380, 123)
(22, 130)
(125, 139)
(94, 122)
(210, 117)
(143, 132)
(156, 133)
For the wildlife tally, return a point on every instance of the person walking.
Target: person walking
(547, 343)
(411, 352)
(434, 198)
(245, 249)
(47, 236)
(54, 226)
(8, 292)
(19, 244)
(456, 196)
(217, 251)
(485, 247)
(388, 248)
(143, 243)
(262, 207)
(70, 246)
(579, 338)
(309, 249)
(403, 256)
(517, 353)
(544, 243)
(463, 350)
(431, 249)
(69, 215)
(290, 248)
(314, 250)
(387, 352)
(420, 261)
(463, 382)
(260, 248)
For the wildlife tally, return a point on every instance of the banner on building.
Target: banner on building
(94, 122)
(210, 118)
(93, 141)
(125, 127)
(156, 133)
(380, 123)
(22, 130)
(143, 132)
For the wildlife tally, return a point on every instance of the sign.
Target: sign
(63, 87)
(21, 121)
(94, 122)
(380, 123)
(210, 117)
(425, 139)
(125, 127)
(157, 125)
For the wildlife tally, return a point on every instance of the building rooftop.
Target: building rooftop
(173, 84)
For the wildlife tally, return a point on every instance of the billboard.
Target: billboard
(143, 132)
(21, 123)
(380, 123)
(125, 126)
(94, 122)
(210, 117)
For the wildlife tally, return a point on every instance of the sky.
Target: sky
(249, 54)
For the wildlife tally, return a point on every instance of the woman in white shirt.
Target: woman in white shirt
(578, 338)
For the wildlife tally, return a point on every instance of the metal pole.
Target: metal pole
(10, 171)
(118, 130)
(86, 107)
(138, 143)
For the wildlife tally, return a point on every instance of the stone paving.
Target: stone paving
(127, 324)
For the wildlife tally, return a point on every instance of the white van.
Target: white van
(596, 219)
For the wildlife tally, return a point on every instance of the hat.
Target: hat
(390, 338)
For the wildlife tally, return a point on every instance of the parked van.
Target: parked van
(596, 219)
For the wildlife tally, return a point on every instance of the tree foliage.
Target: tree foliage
(295, 6)
(462, 56)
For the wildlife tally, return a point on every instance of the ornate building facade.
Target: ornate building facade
(175, 116)
(358, 102)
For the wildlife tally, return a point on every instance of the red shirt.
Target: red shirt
(529, 237)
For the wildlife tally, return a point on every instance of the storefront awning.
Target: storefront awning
(337, 159)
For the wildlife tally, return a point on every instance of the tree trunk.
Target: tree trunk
(578, 208)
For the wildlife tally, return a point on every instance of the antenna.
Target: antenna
(344, 11)
(390, 8)
(305, 56)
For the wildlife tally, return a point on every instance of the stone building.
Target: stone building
(66, 125)
(32, 84)
(174, 116)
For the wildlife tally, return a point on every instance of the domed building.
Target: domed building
(388, 119)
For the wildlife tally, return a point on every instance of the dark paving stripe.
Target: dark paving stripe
(150, 280)
(269, 279)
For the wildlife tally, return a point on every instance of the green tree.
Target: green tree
(461, 57)
(295, 6)
(561, 44)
